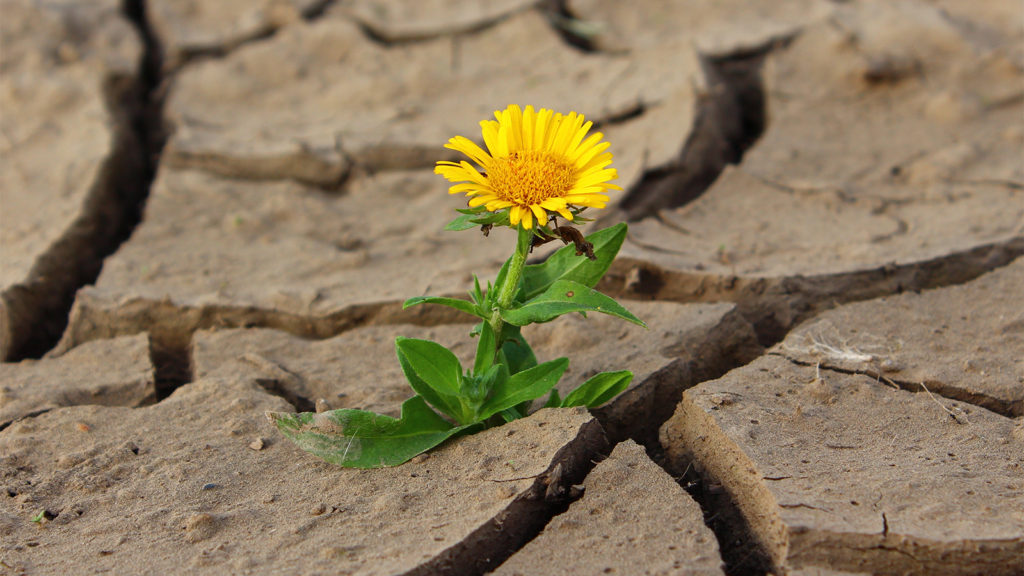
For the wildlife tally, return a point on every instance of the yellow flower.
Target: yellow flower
(535, 163)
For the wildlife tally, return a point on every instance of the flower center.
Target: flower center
(530, 177)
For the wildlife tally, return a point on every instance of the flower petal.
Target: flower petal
(489, 128)
(515, 127)
(597, 177)
(469, 148)
(540, 213)
(540, 135)
(565, 133)
(581, 132)
(464, 187)
(527, 218)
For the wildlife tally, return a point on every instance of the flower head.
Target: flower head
(535, 163)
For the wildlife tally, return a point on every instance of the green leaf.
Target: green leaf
(525, 385)
(457, 303)
(499, 280)
(474, 217)
(434, 373)
(516, 351)
(598, 389)
(563, 297)
(485, 349)
(462, 222)
(360, 439)
(564, 264)
(477, 294)
(553, 400)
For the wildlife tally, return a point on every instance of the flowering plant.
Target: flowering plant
(538, 166)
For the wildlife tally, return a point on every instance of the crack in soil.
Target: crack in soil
(490, 545)
(730, 119)
(772, 305)
(37, 311)
(775, 305)
(171, 327)
(188, 55)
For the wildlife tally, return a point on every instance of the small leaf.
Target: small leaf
(553, 400)
(457, 303)
(462, 222)
(360, 439)
(485, 349)
(499, 280)
(434, 373)
(477, 294)
(564, 264)
(598, 389)
(563, 297)
(524, 386)
(510, 414)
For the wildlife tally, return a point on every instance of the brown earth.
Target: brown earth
(826, 206)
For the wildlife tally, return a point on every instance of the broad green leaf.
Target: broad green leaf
(563, 297)
(564, 264)
(457, 303)
(434, 373)
(524, 386)
(485, 349)
(598, 389)
(360, 439)
(518, 355)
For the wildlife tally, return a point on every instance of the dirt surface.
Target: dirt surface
(633, 518)
(826, 208)
(836, 465)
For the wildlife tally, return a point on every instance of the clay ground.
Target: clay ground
(214, 209)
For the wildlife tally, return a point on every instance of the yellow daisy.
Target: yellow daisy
(535, 163)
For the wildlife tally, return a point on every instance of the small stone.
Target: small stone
(256, 444)
(318, 509)
(209, 486)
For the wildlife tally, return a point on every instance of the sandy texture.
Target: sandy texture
(845, 472)
(65, 159)
(716, 27)
(177, 486)
(219, 252)
(189, 28)
(927, 165)
(632, 519)
(964, 342)
(109, 372)
(778, 160)
(308, 104)
(406, 20)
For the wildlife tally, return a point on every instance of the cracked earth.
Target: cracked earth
(209, 210)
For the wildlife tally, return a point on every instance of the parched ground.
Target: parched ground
(209, 210)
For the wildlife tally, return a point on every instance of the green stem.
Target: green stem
(507, 291)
